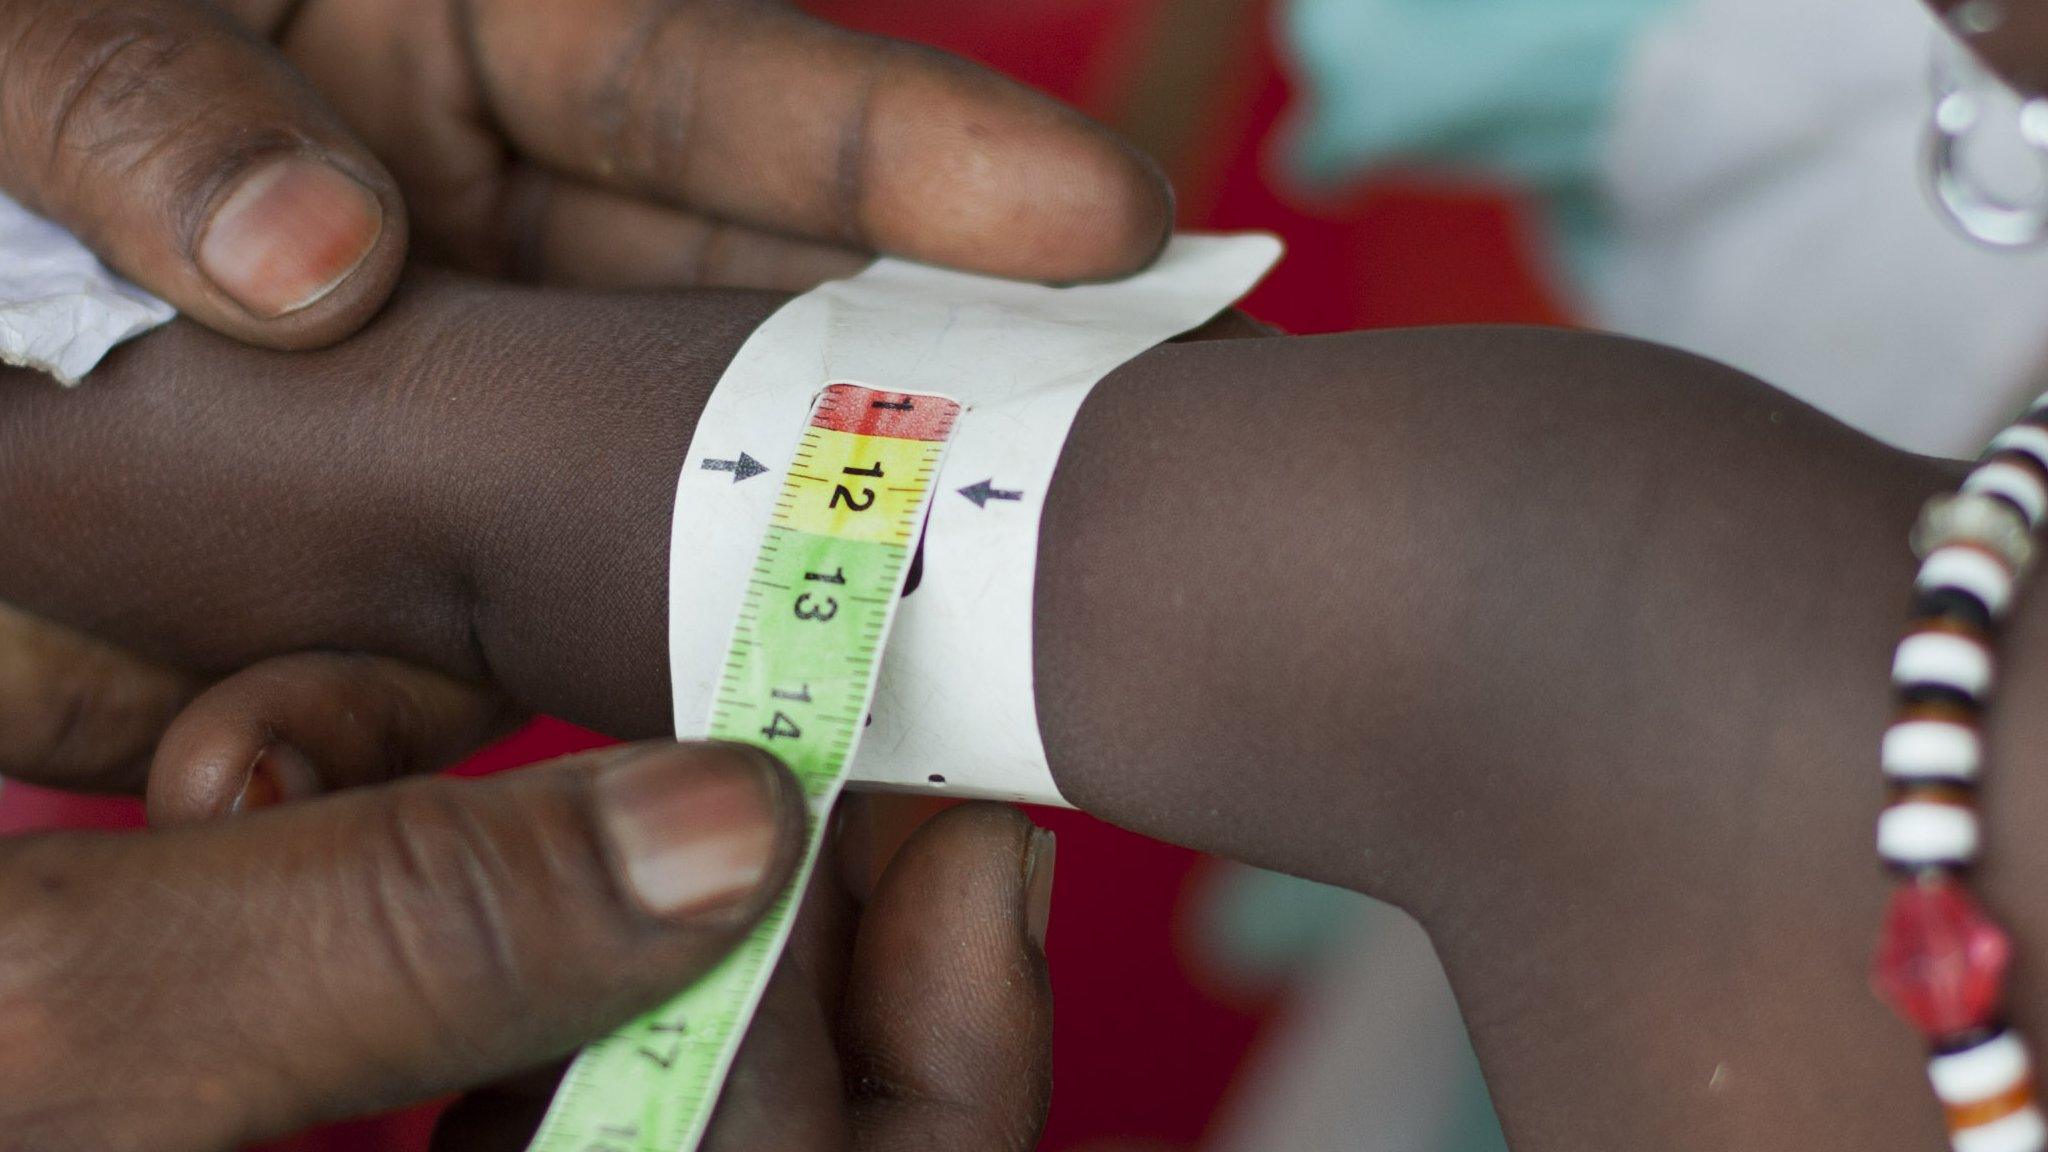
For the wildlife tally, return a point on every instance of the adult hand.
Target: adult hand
(922, 1019)
(917, 1017)
(76, 711)
(260, 162)
(392, 944)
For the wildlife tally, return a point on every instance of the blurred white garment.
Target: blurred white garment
(1373, 1057)
(1764, 170)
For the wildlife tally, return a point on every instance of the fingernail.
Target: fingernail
(694, 830)
(289, 234)
(280, 773)
(1039, 857)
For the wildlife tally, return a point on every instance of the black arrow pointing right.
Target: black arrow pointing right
(741, 468)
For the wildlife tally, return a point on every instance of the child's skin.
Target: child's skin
(1574, 647)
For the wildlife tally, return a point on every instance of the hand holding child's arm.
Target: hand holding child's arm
(1575, 647)
(264, 164)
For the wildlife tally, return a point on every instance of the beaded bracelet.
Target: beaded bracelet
(1941, 960)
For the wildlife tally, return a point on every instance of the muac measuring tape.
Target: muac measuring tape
(799, 677)
(984, 378)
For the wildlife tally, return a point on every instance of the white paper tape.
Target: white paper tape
(954, 712)
(60, 308)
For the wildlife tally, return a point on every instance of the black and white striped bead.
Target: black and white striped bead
(1973, 570)
(2029, 440)
(1933, 749)
(1941, 659)
(1915, 833)
(1975, 547)
(1990, 1086)
(2017, 484)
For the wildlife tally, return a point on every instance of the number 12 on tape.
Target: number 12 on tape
(799, 677)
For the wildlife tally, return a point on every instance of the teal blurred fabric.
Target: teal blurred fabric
(1260, 930)
(1512, 90)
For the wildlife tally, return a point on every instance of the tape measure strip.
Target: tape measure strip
(955, 711)
(799, 678)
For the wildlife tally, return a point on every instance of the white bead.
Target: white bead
(2003, 478)
(1920, 832)
(2031, 439)
(1919, 749)
(2023, 1131)
(1970, 570)
(1945, 659)
(1992, 1068)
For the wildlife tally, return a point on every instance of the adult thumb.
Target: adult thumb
(194, 160)
(209, 986)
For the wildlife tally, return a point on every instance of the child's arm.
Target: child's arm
(1573, 646)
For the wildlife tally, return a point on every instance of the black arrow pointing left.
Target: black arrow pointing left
(983, 491)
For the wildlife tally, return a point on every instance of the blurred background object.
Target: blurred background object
(1746, 179)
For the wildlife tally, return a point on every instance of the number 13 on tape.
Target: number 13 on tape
(799, 677)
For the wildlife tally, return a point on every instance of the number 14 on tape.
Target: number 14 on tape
(799, 677)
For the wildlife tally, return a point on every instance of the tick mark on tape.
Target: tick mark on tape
(983, 491)
(741, 468)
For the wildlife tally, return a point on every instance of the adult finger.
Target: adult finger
(204, 987)
(296, 726)
(760, 115)
(193, 159)
(585, 236)
(1231, 324)
(948, 1017)
(784, 1090)
(946, 1040)
(77, 713)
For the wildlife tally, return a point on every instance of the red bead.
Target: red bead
(1941, 961)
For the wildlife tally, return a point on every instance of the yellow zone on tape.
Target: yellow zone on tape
(857, 487)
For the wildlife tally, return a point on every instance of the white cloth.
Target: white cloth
(61, 310)
(1766, 176)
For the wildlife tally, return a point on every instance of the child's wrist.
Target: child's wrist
(545, 465)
